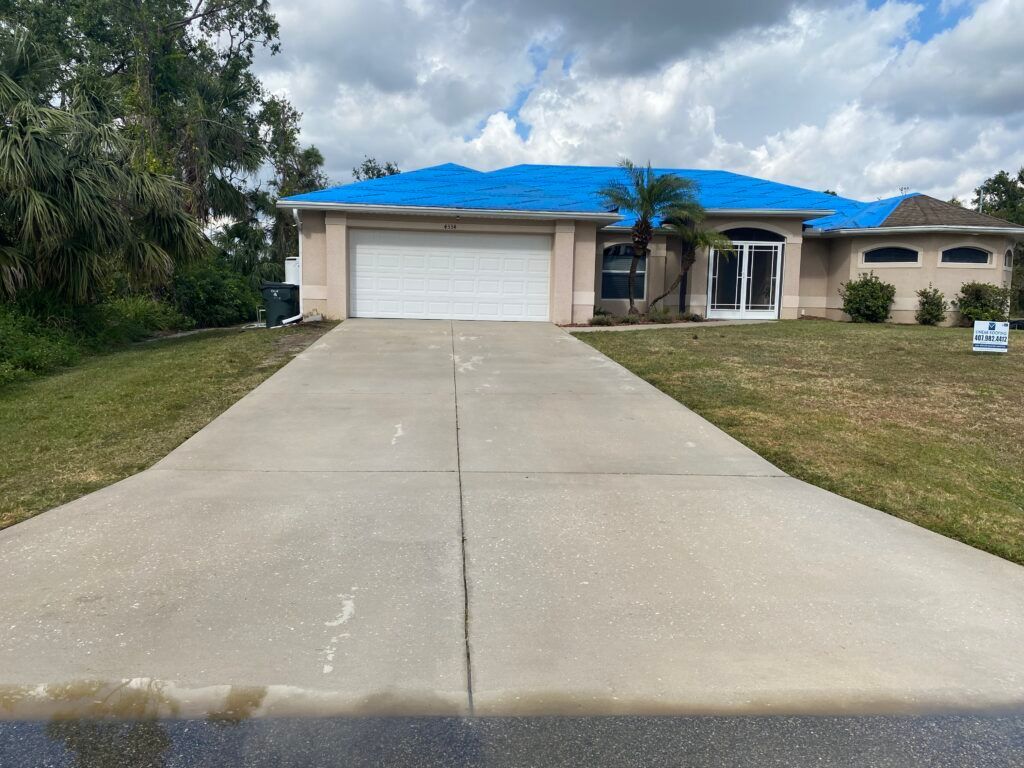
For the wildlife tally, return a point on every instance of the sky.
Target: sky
(866, 98)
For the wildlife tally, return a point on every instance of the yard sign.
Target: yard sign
(990, 336)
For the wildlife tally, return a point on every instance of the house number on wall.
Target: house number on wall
(448, 227)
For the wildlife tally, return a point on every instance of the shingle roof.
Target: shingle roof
(573, 189)
(925, 211)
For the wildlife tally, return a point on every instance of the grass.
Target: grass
(905, 419)
(113, 415)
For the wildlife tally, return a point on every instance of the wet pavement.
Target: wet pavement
(949, 741)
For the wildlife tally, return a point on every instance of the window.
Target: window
(1008, 260)
(965, 255)
(615, 273)
(890, 255)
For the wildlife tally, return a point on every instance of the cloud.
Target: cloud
(974, 68)
(835, 95)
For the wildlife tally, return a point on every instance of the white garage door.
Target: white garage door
(448, 275)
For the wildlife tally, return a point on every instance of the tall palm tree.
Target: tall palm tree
(686, 222)
(648, 196)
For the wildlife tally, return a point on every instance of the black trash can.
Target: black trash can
(281, 301)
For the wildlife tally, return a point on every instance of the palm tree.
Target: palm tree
(649, 196)
(74, 208)
(686, 221)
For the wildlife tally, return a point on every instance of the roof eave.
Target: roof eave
(945, 228)
(426, 210)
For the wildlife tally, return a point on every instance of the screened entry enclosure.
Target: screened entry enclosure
(747, 283)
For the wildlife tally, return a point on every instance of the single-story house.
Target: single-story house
(535, 242)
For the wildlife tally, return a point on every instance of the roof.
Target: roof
(572, 190)
(925, 211)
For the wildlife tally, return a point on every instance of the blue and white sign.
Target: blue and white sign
(991, 336)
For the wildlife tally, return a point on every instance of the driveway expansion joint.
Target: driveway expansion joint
(462, 529)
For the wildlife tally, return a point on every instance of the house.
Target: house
(535, 242)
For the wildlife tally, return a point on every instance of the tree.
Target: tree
(686, 222)
(648, 196)
(176, 74)
(371, 169)
(1002, 196)
(297, 169)
(74, 208)
(831, 192)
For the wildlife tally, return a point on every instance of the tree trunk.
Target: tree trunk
(686, 260)
(631, 279)
(642, 232)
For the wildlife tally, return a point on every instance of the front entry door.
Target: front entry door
(745, 284)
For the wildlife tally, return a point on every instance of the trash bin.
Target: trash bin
(281, 301)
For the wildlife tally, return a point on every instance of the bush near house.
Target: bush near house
(982, 301)
(931, 306)
(867, 299)
(214, 294)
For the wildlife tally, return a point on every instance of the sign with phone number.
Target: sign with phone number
(991, 336)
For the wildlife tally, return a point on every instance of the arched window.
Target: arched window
(753, 235)
(965, 255)
(891, 254)
(615, 263)
(1008, 260)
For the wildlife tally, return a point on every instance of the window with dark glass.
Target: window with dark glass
(1008, 260)
(965, 255)
(890, 255)
(615, 264)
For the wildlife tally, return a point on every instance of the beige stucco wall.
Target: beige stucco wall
(847, 262)
(813, 268)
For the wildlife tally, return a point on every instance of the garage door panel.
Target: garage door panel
(446, 275)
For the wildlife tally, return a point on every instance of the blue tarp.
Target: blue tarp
(573, 189)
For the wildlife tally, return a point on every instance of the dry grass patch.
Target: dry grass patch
(902, 418)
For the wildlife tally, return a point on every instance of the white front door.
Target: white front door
(448, 275)
(747, 283)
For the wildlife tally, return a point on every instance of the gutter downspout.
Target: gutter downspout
(298, 227)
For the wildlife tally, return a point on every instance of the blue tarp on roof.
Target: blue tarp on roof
(573, 189)
(869, 215)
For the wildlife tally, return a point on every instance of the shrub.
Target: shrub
(603, 319)
(867, 299)
(931, 306)
(631, 319)
(982, 301)
(662, 315)
(28, 346)
(115, 322)
(213, 294)
(692, 317)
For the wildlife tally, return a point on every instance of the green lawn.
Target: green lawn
(113, 415)
(902, 418)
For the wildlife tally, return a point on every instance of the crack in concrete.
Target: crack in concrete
(462, 530)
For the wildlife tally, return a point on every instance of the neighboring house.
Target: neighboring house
(534, 242)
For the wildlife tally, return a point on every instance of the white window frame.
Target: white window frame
(953, 265)
(862, 264)
(642, 283)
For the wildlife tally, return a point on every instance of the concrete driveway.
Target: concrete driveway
(425, 517)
